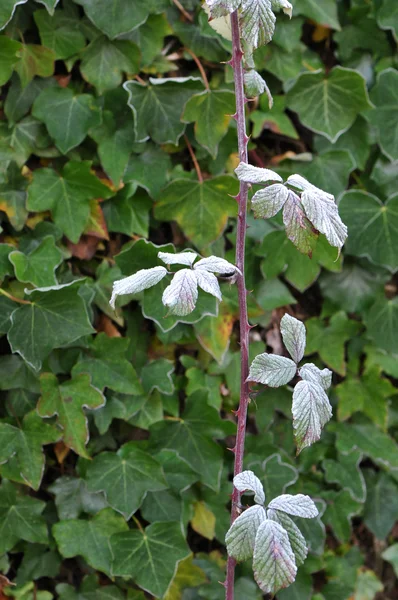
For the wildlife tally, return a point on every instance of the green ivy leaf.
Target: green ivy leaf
(200, 208)
(73, 498)
(38, 266)
(387, 16)
(104, 62)
(10, 55)
(105, 361)
(13, 197)
(148, 170)
(329, 104)
(391, 556)
(381, 320)
(125, 477)
(67, 196)
(356, 141)
(7, 9)
(90, 538)
(56, 316)
(21, 449)
(161, 547)
(380, 508)
(67, 402)
(49, 4)
(34, 60)
(275, 475)
(157, 107)
(60, 32)
(384, 95)
(19, 101)
(211, 112)
(90, 589)
(339, 511)
(20, 518)
(346, 472)
(325, 14)
(274, 119)
(371, 227)
(67, 116)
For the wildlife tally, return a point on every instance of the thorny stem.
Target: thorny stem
(237, 65)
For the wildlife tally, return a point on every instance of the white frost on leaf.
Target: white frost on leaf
(208, 282)
(284, 5)
(250, 174)
(257, 22)
(272, 370)
(184, 258)
(310, 372)
(248, 482)
(302, 184)
(266, 203)
(296, 538)
(274, 563)
(241, 536)
(214, 264)
(293, 335)
(323, 213)
(311, 411)
(222, 8)
(298, 505)
(138, 282)
(181, 295)
(255, 85)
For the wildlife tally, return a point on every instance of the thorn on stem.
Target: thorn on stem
(232, 449)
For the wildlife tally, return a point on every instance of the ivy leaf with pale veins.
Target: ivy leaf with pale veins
(293, 335)
(106, 363)
(274, 563)
(329, 104)
(272, 370)
(20, 518)
(211, 112)
(200, 208)
(381, 321)
(67, 116)
(311, 411)
(157, 107)
(372, 227)
(34, 60)
(7, 9)
(38, 266)
(21, 449)
(90, 538)
(49, 4)
(60, 33)
(151, 557)
(384, 95)
(125, 476)
(248, 483)
(346, 472)
(90, 589)
(10, 54)
(72, 498)
(104, 62)
(240, 537)
(67, 401)
(67, 196)
(56, 317)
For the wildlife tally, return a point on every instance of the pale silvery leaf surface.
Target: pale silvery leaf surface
(311, 411)
(284, 5)
(298, 505)
(241, 535)
(248, 482)
(250, 174)
(274, 564)
(272, 370)
(298, 228)
(255, 85)
(222, 25)
(221, 8)
(138, 282)
(293, 335)
(266, 203)
(322, 211)
(181, 295)
(303, 185)
(310, 372)
(257, 22)
(296, 538)
(208, 282)
(184, 258)
(214, 264)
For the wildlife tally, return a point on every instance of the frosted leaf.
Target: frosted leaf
(251, 174)
(293, 334)
(220, 24)
(181, 295)
(298, 505)
(266, 203)
(274, 564)
(255, 85)
(310, 372)
(284, 5)
(303, 185)
(296, 538)
(208, 282)
(184, 258)
(241, 535)
(248, 482)
(214, 264)
(141, 280)
(299, 230)
(272, 370)
(311, 411)
(257, 22)
(323, 213)
(221, 8)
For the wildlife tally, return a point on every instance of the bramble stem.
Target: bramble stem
(237, 65)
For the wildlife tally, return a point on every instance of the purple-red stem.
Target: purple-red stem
(237, 65)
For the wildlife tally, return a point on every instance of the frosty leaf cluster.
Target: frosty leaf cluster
(311, 407)
(307, 210)
(267, 534)
(181, 295)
